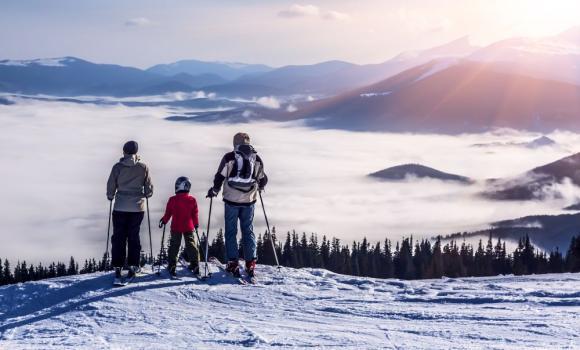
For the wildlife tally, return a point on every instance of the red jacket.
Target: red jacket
(183, 208)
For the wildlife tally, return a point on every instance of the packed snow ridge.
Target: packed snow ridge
(292, 309)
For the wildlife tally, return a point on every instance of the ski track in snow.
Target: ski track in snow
(305, 308)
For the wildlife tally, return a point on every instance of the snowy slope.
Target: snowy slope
(293, 309)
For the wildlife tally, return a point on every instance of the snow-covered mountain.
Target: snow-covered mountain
(307, 308)
(542, 182)
(70, 76)
(457, 98)
(332, 77)
(555, 58)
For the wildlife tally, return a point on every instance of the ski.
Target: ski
(119, 282)
(197, 274)
(246, 277)
(125, 279)
(222, 267)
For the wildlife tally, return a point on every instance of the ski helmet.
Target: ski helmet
(182, 184)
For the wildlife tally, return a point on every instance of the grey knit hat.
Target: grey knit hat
(241, 138)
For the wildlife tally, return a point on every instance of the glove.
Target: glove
(211, 193)
(161, 223)
(196, 227)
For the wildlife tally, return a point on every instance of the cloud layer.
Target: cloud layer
(138, 22)
(57, 156)
(299, 11)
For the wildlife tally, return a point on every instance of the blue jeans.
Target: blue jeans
(246, 216)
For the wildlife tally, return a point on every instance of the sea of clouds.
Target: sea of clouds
(56, 158)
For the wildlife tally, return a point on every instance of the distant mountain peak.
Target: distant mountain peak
(48, 62)
(227, 70)
(405, 171)
(541, 142)
(456, 48)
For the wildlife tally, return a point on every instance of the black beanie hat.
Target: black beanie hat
(130, 147)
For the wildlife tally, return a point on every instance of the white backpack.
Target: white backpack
(242, 175)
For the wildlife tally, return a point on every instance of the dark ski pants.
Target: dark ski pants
(125, 240)
(245, 214)
(190, 249)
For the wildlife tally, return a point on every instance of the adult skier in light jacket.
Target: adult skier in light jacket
(129, 183)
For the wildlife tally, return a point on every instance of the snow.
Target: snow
(47, 62)
(292, 309)
(374, 94)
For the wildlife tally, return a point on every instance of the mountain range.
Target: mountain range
(547, 232)
(539, 183)
(521, 83)
(450, 98)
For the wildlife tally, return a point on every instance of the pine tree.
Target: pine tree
(287, 256)
(387, 267)
(7, 275)
(556, 263)
(314, 252)
(325, 253)
(437, 260)
(404, 266)
(60, 269)
(335, 259)
(267, 257)
(573, 255)
(72, 267)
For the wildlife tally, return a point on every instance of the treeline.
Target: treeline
(407, 259)
(24, 272)
(410, 259)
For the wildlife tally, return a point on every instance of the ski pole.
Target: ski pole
(198, 240)
(149, 226)
(207, 234)
(108, 234)
(269, 232)
(161, 251)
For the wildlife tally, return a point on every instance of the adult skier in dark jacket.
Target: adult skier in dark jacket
(129, 184)
(241, 173)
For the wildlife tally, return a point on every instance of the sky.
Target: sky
(59, 157)
(147, 32)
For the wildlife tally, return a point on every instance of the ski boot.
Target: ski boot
(250, 268)
(172, 272)
(234, 268)
(194, 268)
(118, 277)
(133, 271)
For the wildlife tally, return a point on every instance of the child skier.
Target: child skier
(182, 209)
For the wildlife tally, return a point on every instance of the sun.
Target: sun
(538, 18)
